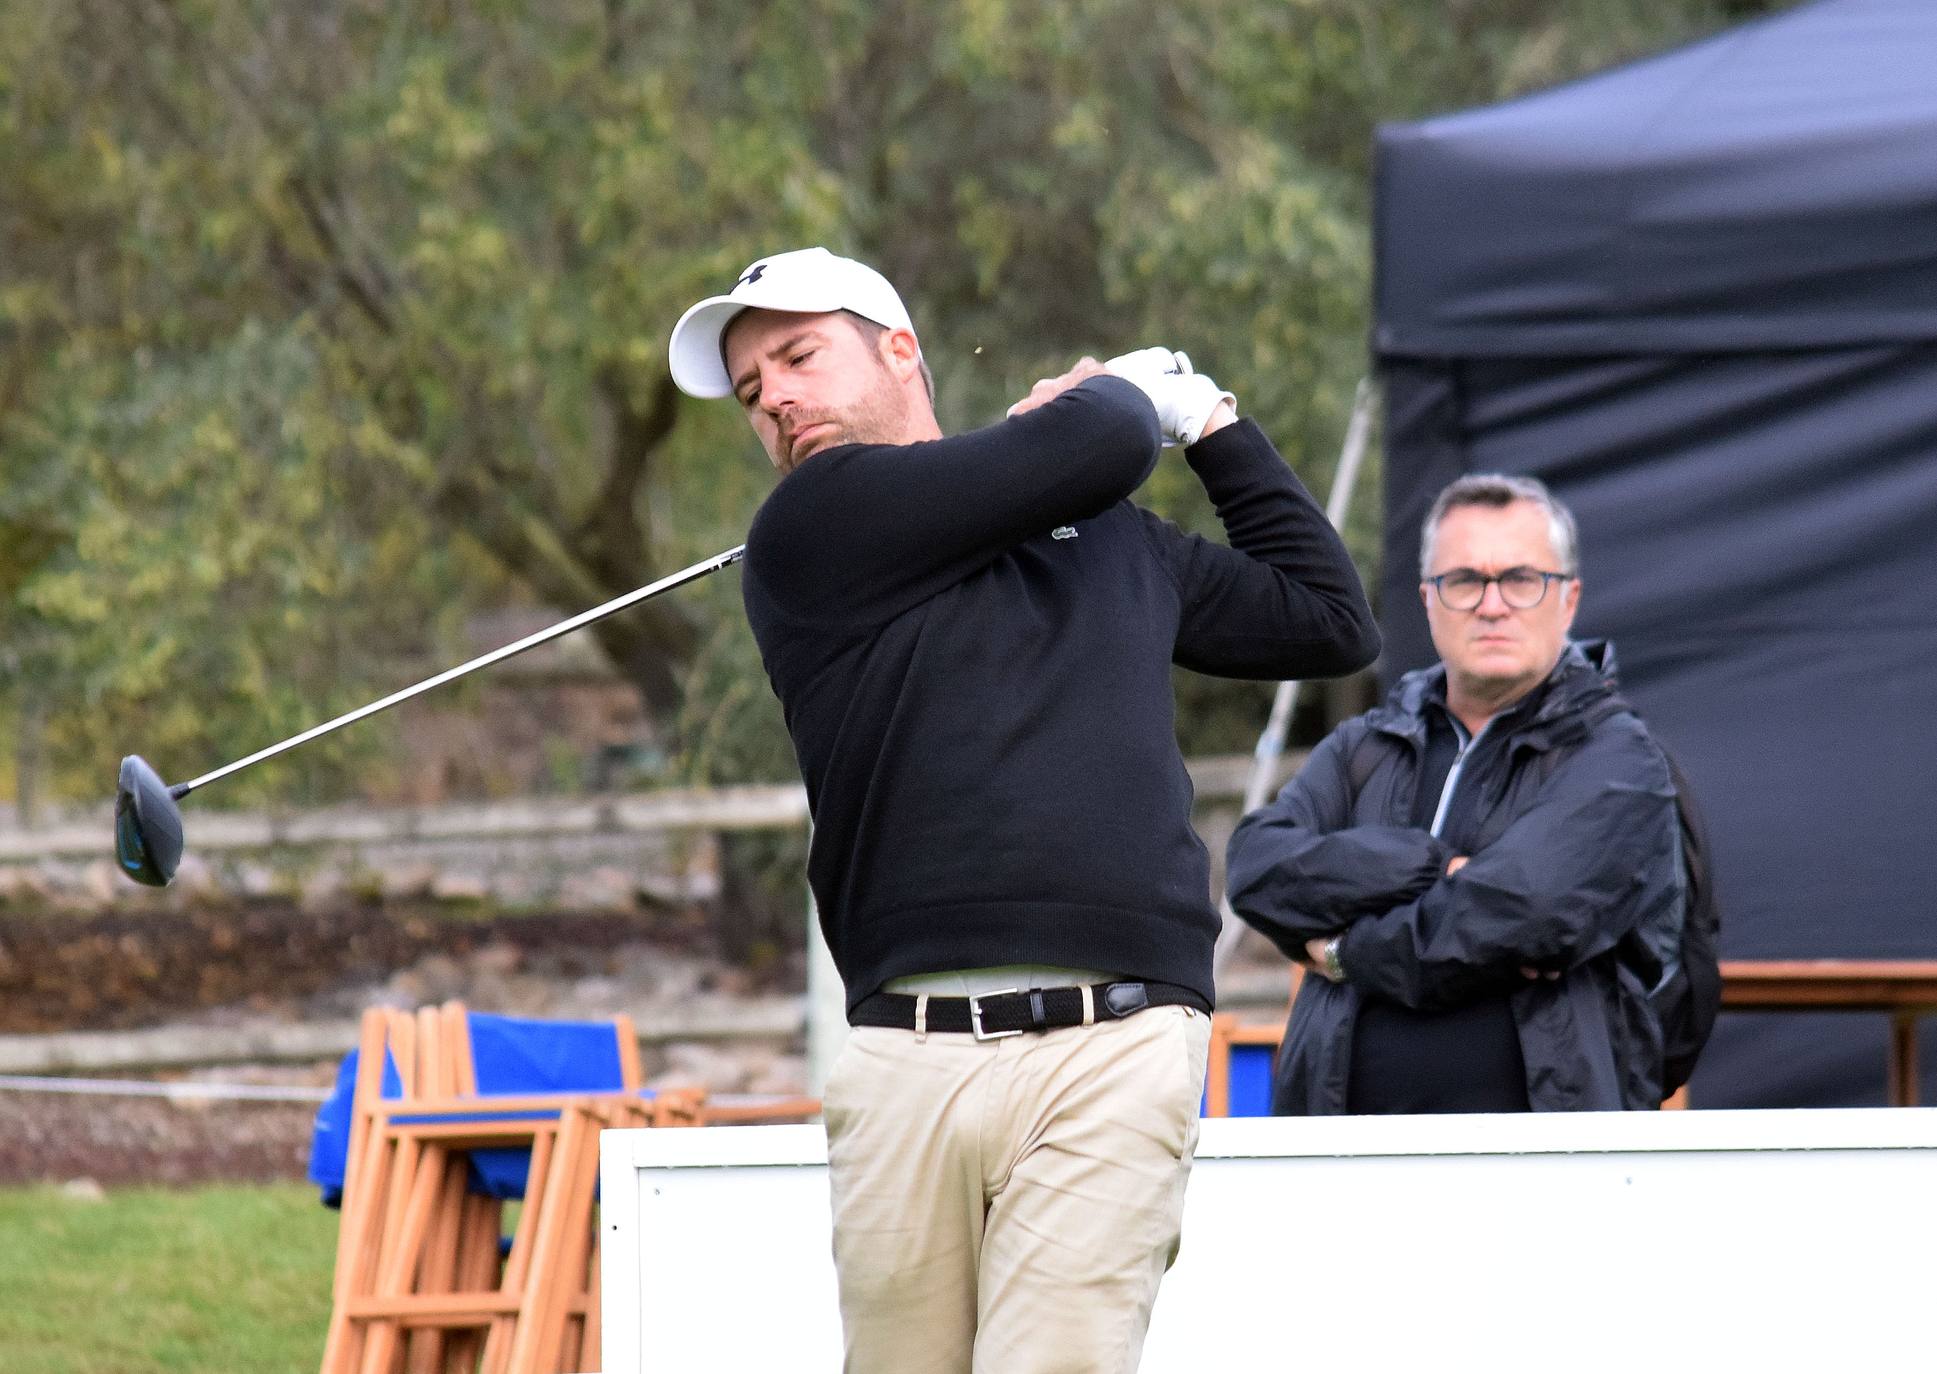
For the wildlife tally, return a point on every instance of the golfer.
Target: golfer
(971, 638)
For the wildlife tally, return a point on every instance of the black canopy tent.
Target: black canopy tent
(1697, 295)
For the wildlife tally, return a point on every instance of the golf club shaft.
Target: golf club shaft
(531, 641)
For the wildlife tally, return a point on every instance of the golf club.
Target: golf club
(148, 823)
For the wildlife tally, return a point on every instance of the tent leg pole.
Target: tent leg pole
(1271, 744)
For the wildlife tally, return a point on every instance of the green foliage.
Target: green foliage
(322, 325)
(154, 1282)
(224, 516)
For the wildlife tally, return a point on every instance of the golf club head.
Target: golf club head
(147, 824)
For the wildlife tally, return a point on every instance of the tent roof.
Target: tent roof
(1774, 186)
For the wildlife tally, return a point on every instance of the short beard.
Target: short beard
(878, 417)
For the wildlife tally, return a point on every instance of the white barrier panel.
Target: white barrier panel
(1661, 1241)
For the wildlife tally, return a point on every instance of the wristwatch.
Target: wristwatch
(1334, 970)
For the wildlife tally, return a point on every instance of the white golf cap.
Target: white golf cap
(810, 281)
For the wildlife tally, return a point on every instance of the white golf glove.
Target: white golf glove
(1184, 399)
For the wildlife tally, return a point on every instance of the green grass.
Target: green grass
(208, 1280)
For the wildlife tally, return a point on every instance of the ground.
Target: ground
(116, 970)
(271, 960)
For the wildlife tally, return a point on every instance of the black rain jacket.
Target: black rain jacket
(1574, 865)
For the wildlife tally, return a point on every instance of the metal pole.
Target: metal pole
(826, 1001)
(1271, 744)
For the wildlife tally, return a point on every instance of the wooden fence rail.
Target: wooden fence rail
(178, 1047)
(750, 807)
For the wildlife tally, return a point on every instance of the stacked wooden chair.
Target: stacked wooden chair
(426, 1281)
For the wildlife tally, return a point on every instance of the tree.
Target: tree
(320, 323)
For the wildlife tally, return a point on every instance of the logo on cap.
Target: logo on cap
(753, 274)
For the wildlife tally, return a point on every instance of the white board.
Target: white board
(1660, 1241)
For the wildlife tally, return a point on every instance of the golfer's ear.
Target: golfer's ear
(904, 352)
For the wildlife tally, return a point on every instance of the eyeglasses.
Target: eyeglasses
(1463, 589)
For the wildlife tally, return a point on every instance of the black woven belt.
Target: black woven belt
(1018, 1010)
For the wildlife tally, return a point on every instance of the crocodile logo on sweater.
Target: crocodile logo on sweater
(1063, 532)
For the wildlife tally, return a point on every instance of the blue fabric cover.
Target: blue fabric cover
(513, 1056)
(329, 1142)
(1250, 1083)
(1251, 1079)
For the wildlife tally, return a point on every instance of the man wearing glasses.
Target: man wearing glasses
(1482, 875)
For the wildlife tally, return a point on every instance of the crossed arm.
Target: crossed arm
(1425, 927)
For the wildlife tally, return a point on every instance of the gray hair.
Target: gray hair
(1497, 489)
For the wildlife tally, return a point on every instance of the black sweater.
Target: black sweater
(971, 640)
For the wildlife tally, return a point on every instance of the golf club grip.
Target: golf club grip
(531, 641)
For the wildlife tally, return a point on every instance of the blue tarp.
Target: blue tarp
(1250, 1068)
(512, 1055)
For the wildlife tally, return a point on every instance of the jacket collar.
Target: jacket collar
(1584, 676)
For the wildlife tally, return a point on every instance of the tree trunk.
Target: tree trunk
(29, 758)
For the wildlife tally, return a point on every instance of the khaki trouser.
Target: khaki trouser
(1009, 1206)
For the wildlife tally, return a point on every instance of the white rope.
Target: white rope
(254, 1092)
(176, 1092)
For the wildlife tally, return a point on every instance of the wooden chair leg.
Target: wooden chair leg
(1903, 1059)
(403, 1250)
(478, 1269)
(559, 1245)
(590, 1352)
(383, 1179)
(337, 1357)
(632, 1074)
(437, 1270)
(477, 1260)
(403, 1051)
(424, 1346)
(457, 1048)
(517, 1266)
(1217, 1074)
(577, 1264)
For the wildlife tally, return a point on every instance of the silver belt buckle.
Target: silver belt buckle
(975, 1015)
